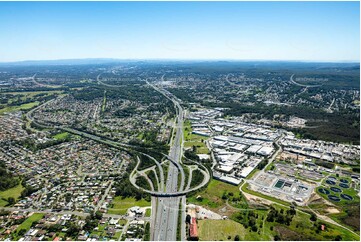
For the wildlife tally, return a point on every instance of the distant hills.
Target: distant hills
(95, 61)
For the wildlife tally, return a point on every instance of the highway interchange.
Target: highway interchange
(167, 209)
(167, 202)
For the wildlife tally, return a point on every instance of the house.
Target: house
(113, 221)
(193, 230)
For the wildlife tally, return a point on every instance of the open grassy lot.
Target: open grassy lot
(300, 228)
(148, 212)
(306, 229)
(3, 203)
(27, 223)
(31, 94)
(25, 106)
(61, 136)
(212, 195)
(120, 205)
(191, 140)
(262, 231)
(122, 222)
(210, 230)
(12, 192)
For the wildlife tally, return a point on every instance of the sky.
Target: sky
(305, 31)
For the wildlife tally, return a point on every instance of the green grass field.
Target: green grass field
(301, 228)
(61, 136)
(148, 212)
(25, 106)
(32, 94)
(122, 222)
(210, 230)
(191, 140)
(120, 206)
(212, 195)
(27, 223)
(12, 192)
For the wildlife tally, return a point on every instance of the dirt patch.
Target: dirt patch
(317, 199)
(225, 211)
(256, 200)
(332, 210)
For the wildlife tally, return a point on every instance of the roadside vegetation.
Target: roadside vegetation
(120, 205)
(215, 196)
(194, 140)
(25, 106)
(275, 222)
(10, 186)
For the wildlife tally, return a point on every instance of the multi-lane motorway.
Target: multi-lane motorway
(167, 208)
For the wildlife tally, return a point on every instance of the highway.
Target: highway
(167, 211)
(165, 201)
(167, 204)
(302, 85)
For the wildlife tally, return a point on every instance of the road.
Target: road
(76, 213)
(166, 209)
(229, 82)
(319, 216)
(167, 212)
(302, 85)
(100, 203)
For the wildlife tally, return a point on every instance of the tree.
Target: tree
(338, 238)
(276, 237)
(98, 215)
(73, 230)
(68, 197)
(254, 228)
(236, 238)
(188, 218)
(21, 232)
(11, 200)
(313, 217)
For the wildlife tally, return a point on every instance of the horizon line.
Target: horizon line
(181, 59)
